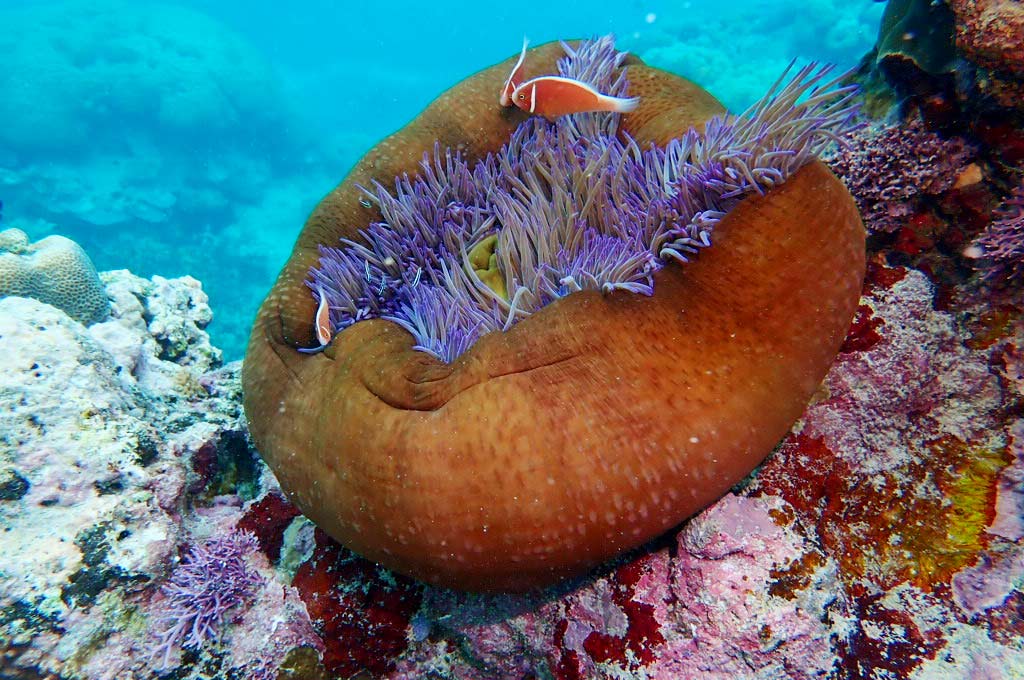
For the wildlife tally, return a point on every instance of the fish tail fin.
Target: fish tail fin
(623, 104)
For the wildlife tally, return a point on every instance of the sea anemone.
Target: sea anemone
(213, 579)
(526, 376)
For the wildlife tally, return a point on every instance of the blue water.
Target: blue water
(195, 137)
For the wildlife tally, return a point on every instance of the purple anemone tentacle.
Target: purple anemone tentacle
(575, 204)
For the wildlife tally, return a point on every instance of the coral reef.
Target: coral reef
(883, 538)
(54, 109)
(958, 63)
(54, 270)
(136, 121)
(370, 419)
(943, 172)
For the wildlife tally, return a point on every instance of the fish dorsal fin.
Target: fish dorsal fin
(511, 83)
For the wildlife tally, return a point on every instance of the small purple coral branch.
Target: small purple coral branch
(212, 580)
(999, 250)
(566, 206)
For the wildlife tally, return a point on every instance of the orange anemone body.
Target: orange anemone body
(590, 427)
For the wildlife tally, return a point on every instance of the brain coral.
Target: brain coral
(598, 421)
(54, 270)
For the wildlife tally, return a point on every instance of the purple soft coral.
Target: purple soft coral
(566, 206)
(999, 250)
(889, 169)
(213, 579)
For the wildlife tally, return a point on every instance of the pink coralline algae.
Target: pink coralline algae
(915, 381)
(1009, 521)
(999, 250)
(748, 614)
(988, 583)
(892, 170)
(991, 33)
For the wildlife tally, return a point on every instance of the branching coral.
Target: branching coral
(213, 579)
(563, 207)
(889, 169)
(1000, 248)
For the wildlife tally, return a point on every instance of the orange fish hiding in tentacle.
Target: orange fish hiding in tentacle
(321, 324)
(323, 319)
(514, 78)
(554, 96)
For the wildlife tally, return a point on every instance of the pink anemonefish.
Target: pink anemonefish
(322, 325)
(554, 96)
(514, 78)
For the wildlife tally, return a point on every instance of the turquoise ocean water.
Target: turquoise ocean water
(195, 137)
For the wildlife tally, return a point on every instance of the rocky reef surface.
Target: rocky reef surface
(143, 537)
(121, 446)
